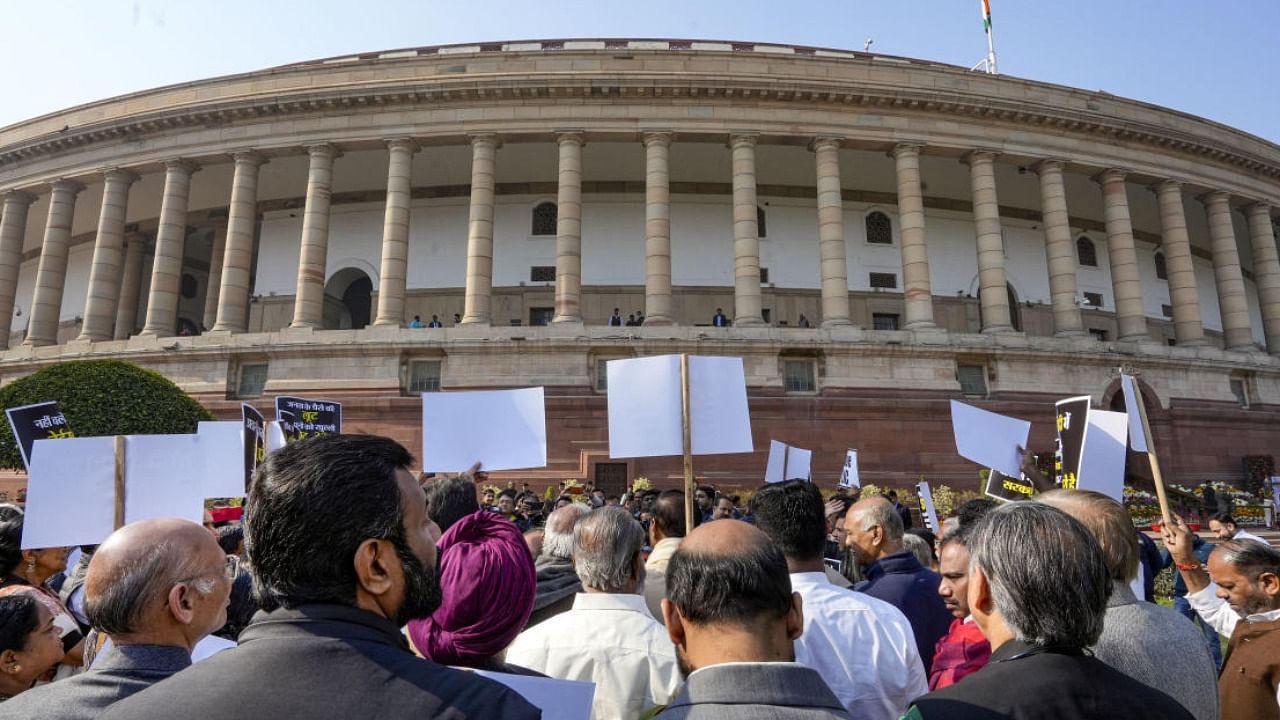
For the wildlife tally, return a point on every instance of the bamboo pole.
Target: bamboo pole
(689, 488)
(1165, 515)
(120, 488)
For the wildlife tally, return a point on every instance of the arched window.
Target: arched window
(760, 226)
(544, 219)
(1087, 253)
(879, 229)
(1162, 272)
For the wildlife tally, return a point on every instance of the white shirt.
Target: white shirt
(1218, 614)
(863, 647)
(1242, 535)
(610, 640)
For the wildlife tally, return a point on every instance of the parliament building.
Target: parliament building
(880, 235)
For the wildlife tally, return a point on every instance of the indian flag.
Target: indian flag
(986, 15)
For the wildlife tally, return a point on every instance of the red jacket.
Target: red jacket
(963, 650)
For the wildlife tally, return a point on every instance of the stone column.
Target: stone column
(393, 279)
(657, 230)
(108, 257)
(747, 303)
(835, 265)
(1177, 256)
(13, 229)
(916, 292)
(214, 284)
(308, 303)
(993, 290)
(1059, 249)
(1125, 283)
(46, 303)
(476, 308)
(171, 238)
(1266, 272)
(130, 286)
(1237, 331)
(237, 257)
(569, 230)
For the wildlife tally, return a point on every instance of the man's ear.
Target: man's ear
(795, 617)
(674, 622)
(1270, 584)
(9, 662)
(877, 536)
(181, 603)
(373, 567)
(980, 593)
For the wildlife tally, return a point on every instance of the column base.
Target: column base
(920, 325)
(1243, 348)
(569, 319)
(303, 327)
(837, 322)
(476, 321)
(1195, 342)
(384, 322)
(998, 330)
(748, 322)
(658, 321)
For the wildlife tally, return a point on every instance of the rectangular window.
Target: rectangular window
(1093, 299)
(541, 316)
(542, 273)
(1166, 310)
(884, 280)
(1099, 335)
(764, 276)
(424, 376)
(602, 375)
(884, 321)
(253, 379)
(973, 379)
(1241, 392)
(799, 376)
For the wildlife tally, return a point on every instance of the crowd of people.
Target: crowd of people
(356, 589)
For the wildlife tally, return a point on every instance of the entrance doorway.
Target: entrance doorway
(348, 301)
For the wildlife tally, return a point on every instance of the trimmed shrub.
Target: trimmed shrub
(102, 397)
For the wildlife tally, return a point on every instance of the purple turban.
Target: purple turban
(487, 582)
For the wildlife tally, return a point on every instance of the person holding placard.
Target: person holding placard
(30, 647)
(338, 537)
(863, 647)
(894, 575)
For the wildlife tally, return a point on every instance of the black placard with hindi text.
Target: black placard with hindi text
(301, 418)
(42, 421)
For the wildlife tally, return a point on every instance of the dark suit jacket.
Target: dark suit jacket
(121, 672)
(751, 691)
(904, 583)
(1023, 682)
(323, 662)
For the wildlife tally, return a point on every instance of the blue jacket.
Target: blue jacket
(904, 583)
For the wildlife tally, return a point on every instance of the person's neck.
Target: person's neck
(717, 644)
(795, 565)
(890, 549)
(10, 686)
(171, 638)
(35, 577)
(994, 630)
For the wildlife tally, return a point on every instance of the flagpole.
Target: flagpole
(991, 43)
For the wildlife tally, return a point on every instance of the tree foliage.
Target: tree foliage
(102, 397)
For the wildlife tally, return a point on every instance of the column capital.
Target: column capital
(402, 143)
(743, 139)
(17, 196)
(64, 185)
(492, 139)
(570, 137)
(119, 175)
(1111, 175)
(1166, 186)
(656, 137)
(1048, 164)
(1215, 197)
(249, 157)
(181, 165)
(821, 142)
(1258, 207)
(979, 155)
(906, 148)
(323, 149)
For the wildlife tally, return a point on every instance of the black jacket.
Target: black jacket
(323, 662)
(1025, 682)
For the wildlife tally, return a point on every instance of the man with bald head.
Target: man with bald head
(156, 588)
(873, 531)
(733, 619)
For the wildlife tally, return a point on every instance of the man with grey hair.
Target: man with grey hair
(1243, 602)
(156, 588)
(1151, 644)
(1038, 588)
(609, 637)
(557, 580)
(874, 532)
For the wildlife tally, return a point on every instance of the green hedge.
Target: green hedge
(102, 397)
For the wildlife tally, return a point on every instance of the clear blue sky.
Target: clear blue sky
(1217, 59)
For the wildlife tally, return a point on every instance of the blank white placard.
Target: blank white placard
(1137, 435)
(221, 458)
(503, 429)
(1103, 454)
(159, 481)
(645, 407)
(71, 492)
(274, 438)
(557, 699)
(989, 439)
(799, 463)
(718, 409)
(775, 470)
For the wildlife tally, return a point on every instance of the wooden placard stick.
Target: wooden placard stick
(119, 452)
(1151, 455)
(688, 443)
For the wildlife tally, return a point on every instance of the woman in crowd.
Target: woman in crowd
(487, 585)
(29, 645)
(25, 572)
